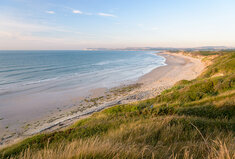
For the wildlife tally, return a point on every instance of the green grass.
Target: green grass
(224, 63)
(192, 119)
(207, 53)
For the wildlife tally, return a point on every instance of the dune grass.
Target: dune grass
(193, 119)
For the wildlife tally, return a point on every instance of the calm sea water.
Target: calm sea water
(54, 70)
(34, 84)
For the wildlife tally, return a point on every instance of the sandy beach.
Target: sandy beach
(178, 67)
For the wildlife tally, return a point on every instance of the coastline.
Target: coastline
(178, 67)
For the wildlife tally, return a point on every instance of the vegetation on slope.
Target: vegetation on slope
(193, 119)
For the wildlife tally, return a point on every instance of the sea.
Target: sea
(55, 70)
(35, 83)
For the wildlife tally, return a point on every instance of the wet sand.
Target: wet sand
(178, 67)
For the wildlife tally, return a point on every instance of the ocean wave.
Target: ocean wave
(117, 70)
(107, 62)
(102, 63)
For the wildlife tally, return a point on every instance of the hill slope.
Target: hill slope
(193, 119)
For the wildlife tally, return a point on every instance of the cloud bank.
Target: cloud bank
(106, 15)
(50, 12)
(77, 12)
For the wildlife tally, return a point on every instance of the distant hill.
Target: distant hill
(204, 48)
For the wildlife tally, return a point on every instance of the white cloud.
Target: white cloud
(24, 30)
(50, 12)
(106, 15)
(77, 12)
(12, 30)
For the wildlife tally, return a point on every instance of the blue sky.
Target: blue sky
(79, 24)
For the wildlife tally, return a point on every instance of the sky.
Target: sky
(81, 24)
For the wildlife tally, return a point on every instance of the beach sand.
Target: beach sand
(178, 67)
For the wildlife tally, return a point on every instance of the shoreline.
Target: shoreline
(149, 85)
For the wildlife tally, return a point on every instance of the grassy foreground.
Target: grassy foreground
(193, 119)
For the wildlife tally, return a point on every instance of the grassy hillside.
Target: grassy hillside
(193, 119)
